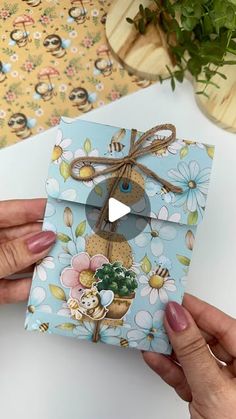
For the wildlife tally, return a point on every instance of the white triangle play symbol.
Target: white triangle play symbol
(116, 210)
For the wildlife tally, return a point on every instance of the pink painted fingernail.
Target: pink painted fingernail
(41, 241)
(176, 317)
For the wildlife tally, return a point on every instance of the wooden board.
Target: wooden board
(221, 104)
(143, 55)
(146, 57)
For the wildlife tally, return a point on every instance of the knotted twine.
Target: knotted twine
(123, 165)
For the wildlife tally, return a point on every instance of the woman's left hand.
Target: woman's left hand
(22, 244)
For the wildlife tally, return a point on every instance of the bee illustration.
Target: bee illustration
(56, 46)
(115, 144)
(20, 125)
(33, 3)
(19, 37)
(43, 90)
(78, 13)
(41, 327)
(162, 272)
(92, 304)
(124, 343)
(81, 99)
(4, 69)
(166, 194)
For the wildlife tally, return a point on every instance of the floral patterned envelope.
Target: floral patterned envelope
(99, 282)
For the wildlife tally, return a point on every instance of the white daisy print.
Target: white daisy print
(150, 335)
(158, 231)
(165, 151)
(194, 182)
(107, 334)
(72, 248)
(37, 297)
(60, 151)
(157, 285)
(53, 189)
(42, 266)
(87, 169)
(64, 310)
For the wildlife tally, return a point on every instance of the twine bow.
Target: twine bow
(123, 166)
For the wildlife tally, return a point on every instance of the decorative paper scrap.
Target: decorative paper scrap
(115, 292)
(54, 60)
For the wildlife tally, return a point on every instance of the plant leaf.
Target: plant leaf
(63, 237)
(189, 239)
(193, 217)
(146, 265)
(98, 190)
(65, 170)
(210, 151)
(68, 217)
(87, 146)
(66, 326)
(183, 259)
(57, 292)
(80, 229)
(183, 152)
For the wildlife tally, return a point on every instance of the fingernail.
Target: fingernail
(41, 241)
(176, 317)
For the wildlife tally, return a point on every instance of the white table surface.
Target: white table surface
(51, 377)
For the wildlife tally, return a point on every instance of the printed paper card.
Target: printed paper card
(108, 281)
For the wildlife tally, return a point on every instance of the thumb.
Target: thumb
(18, 254)
(199, 366)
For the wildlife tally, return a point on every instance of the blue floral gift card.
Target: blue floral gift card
(108, 280)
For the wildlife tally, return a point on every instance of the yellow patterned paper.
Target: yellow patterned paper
(54, 61)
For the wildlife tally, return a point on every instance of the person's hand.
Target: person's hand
(207, 382)
(22, 243)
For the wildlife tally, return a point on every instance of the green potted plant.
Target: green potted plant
(115, 277)
(200, 36)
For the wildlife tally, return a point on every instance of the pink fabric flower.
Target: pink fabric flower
(81, 273)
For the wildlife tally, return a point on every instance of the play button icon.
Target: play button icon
(128, 199)
(116, 210)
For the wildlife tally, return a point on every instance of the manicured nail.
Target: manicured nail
(176, 317)
(41, 241)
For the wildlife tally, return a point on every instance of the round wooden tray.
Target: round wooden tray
(220, 105)
(146, 56)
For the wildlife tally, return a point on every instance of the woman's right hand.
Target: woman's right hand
(207, 382)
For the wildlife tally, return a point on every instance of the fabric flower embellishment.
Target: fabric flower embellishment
(194, 182)
(157, 285)
(81, 273)
(150, 335)
(60, 151)
(157, 231)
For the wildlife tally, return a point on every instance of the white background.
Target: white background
(51, 377)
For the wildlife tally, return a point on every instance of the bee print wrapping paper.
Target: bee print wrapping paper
(54, 61)
(115, 291)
